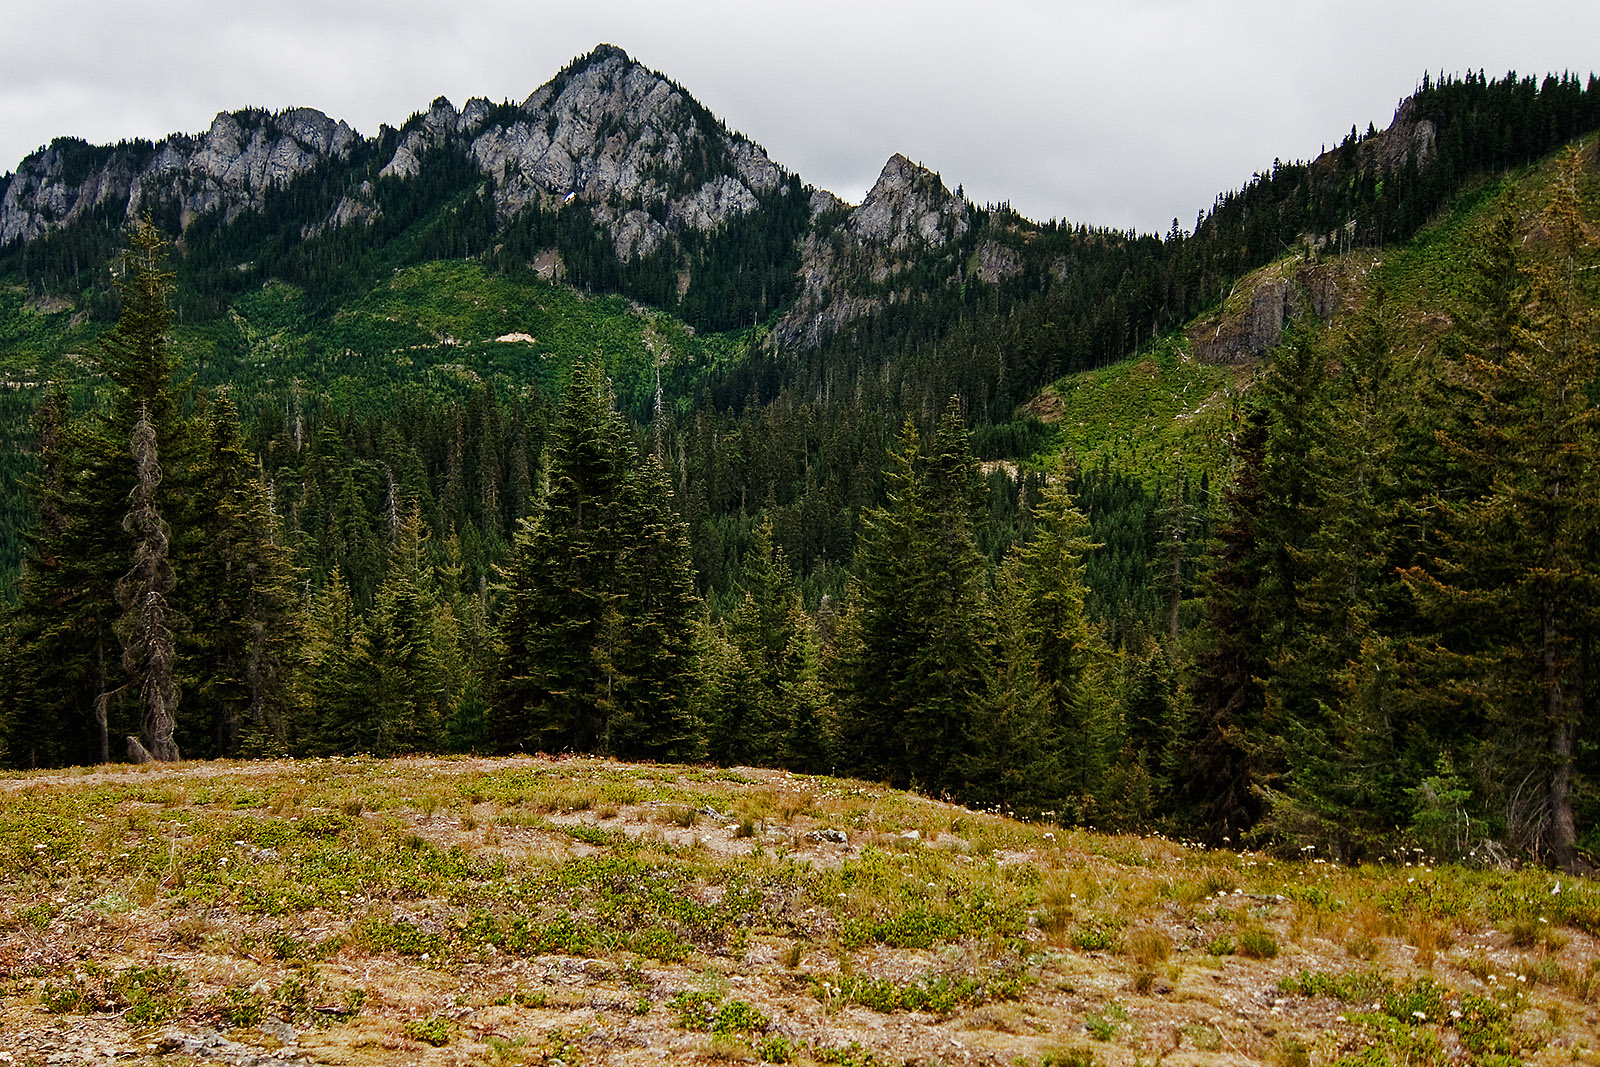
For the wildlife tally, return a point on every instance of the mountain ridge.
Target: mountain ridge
(613, 177)
(564, 138)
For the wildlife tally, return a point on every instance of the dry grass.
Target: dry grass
(525, 911)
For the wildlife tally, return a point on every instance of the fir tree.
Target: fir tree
(916, 655)
(1074, 664)
(337, 682)
(1014, 761)
(597, 635)
(146, 626)
(1521, 555)
(657, 607)
(769, 672)
(1224, 758)
(98, 471)
(246, 620)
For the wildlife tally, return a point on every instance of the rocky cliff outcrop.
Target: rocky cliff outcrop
(636, 147)
(437, 128)
(230, 166)
(847, 271)
(1408, 138)
(1252, 319)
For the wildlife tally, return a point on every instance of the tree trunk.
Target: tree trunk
(1559, 708)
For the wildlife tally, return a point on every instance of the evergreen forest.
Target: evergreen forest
(387, 489)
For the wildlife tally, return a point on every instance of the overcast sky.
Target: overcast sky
(1123, 114)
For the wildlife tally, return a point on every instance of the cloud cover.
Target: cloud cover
(1123, 114)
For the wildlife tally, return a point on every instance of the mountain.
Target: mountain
(1268, 553)
(612, 177)
(227, 169)
(647, 158)
(607, 169)
(322, 270)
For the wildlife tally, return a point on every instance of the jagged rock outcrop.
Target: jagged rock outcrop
(607, 132)
(607, 137)
(907, 214)
(908, 204)
(1253, 317)
(439, 124)
(636, 147)
(230, 166)
(994, 262)
(1407, 138)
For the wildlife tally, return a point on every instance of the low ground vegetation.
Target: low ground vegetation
(357, 911)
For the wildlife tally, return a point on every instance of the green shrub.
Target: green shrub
(1258, 943)
(1098, 933)
(435, 1032)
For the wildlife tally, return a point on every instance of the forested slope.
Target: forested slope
(1226, 585)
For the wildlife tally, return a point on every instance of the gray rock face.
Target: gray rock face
(629, 143)
(906, 214)
(1252, 319)
(908, 205)
(348, 211)
(996, 262)
(440, 125)
(1407, 138)
(231, 165)
(646, 159)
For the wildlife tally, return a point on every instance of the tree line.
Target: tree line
(1392, 620)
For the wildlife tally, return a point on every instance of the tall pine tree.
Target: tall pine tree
(597, 634)
(1521, 556)
(914, 653)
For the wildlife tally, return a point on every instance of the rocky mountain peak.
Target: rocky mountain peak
(1408, 137)
(241, 156)
(646, 157)
(907, 213)
(430, 129)
(908, 203)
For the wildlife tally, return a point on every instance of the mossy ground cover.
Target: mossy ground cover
(527, 910)
(435, 326)
(1157, 412)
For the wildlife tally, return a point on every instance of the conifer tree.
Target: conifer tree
(246, 620)
(1074, 664)
(916, 653)
(1334, 700)
(1224, 758)
(805, 697)
(1521, 556)
(762, 700)
(98, 471)
(729, 701)
(411, 664)
(68, 655)
(1153, 712)
(146, 626)
(597, 635)
(557, 685)
(655, 641)
(337, 683)
(1015, 760)
(1252, 590)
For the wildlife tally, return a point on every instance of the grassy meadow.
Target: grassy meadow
(590, 912)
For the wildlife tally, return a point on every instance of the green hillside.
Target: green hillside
(1311, 568)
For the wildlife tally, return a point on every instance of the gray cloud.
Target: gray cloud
(1120, 114)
